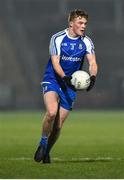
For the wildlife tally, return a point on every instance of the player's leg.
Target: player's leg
(51, 104)
(66, 101)
(59, 120)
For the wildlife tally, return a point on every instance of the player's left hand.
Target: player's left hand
(92, 82)
(67, 80)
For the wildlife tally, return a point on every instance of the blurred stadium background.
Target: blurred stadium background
(25, 30)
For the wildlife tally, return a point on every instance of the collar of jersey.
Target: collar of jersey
(70, 36)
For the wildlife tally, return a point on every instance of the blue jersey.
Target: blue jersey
(71, 51)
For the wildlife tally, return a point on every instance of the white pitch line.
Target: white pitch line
(17, 159)
(83, 159)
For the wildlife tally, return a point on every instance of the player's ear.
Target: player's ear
(71, 23)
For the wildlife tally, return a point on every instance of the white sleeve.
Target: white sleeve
(55, 44)
(89, 45)
(54, 47)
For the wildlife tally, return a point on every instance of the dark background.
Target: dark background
(25, 30)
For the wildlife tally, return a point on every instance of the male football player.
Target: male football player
(67, 51)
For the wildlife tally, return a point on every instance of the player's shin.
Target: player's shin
(41, 150)
(53, 138)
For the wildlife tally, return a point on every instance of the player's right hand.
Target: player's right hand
(67, 80)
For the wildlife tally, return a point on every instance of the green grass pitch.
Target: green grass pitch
(91, 145)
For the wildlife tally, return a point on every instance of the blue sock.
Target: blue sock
(44, 141)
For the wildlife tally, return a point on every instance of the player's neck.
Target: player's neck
(71, 33)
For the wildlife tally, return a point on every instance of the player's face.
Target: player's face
(79, 25)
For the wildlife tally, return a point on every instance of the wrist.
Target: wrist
(93, 77)
(64, 77)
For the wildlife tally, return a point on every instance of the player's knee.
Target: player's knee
(61, 123)
(52, 114)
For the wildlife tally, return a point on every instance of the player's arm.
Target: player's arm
(54, 50)
(58, 69)
(56, 65)
(93, 69)
(55, 45)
